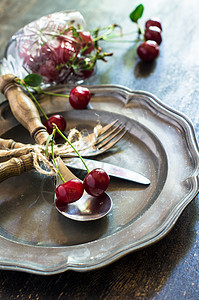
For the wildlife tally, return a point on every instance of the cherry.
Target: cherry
(96, 182)
(153, 33)
(58, 120)
(69, 191)
(63, 52)
(50, 59)
(84, 40)
(79, 97)
(86, 67)
(53, 57)
(49, 71)
(87, 41)
(153, 22)
(87, 73)
(148, 51)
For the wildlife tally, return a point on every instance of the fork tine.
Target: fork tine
(103, 137)
(109, 145)
(107, 127)
(105, 142)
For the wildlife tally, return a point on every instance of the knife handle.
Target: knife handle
(23, 108)
(16, 166)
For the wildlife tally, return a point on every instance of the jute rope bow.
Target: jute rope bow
(41, 162)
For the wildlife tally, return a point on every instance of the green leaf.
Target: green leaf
(137, 13)
(33, 80)
(47, 144)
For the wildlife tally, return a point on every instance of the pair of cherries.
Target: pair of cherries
(149, 50)
(95, 184)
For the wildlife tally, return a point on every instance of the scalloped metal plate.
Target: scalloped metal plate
(160, 144)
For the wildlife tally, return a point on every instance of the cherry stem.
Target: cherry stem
(139, 29)
(108, 37)
(123, 34)
(39, 91)
(65, 138)
(37, 103)
(54, 94)
(53, 156)
(123, 41)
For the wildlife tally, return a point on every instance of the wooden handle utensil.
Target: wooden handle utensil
(27, 114)
(16, 166)
(23, 108)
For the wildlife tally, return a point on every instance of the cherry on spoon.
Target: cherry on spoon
(87, 208)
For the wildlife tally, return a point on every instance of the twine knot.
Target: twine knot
(41, 154)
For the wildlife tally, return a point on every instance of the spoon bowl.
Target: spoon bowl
(87, 208)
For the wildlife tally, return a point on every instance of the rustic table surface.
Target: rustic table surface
(169, 268)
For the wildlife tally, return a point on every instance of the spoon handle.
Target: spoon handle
(23, 108)
(10, 144)
(16, 166)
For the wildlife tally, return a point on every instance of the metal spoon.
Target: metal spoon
(87, 208)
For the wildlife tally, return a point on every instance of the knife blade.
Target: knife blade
(111, 169)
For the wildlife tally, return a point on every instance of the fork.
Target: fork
(23, 159)
(109, 135)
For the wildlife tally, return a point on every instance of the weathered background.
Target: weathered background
(168, 269)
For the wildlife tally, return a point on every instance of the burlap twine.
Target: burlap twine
(82, 143)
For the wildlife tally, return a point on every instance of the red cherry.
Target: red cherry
(53, 57)
(148, 51)
(153, 22)
(84, 72)
(87, 41)
(87, 73)
(153, 33)
(50, 60)
(64, 52)
(79, 97)
(96, 182)
(69, 191)
(58, 120)
(86, 68)
(49, 71)
(83, 41)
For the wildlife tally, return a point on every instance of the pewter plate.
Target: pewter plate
(160, 144)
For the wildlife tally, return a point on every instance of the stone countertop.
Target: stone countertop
(169, 268)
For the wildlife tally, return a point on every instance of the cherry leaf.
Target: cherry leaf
(137, 13)
(33, 80)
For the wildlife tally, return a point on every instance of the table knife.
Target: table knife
(18, 165)
(111, 169)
